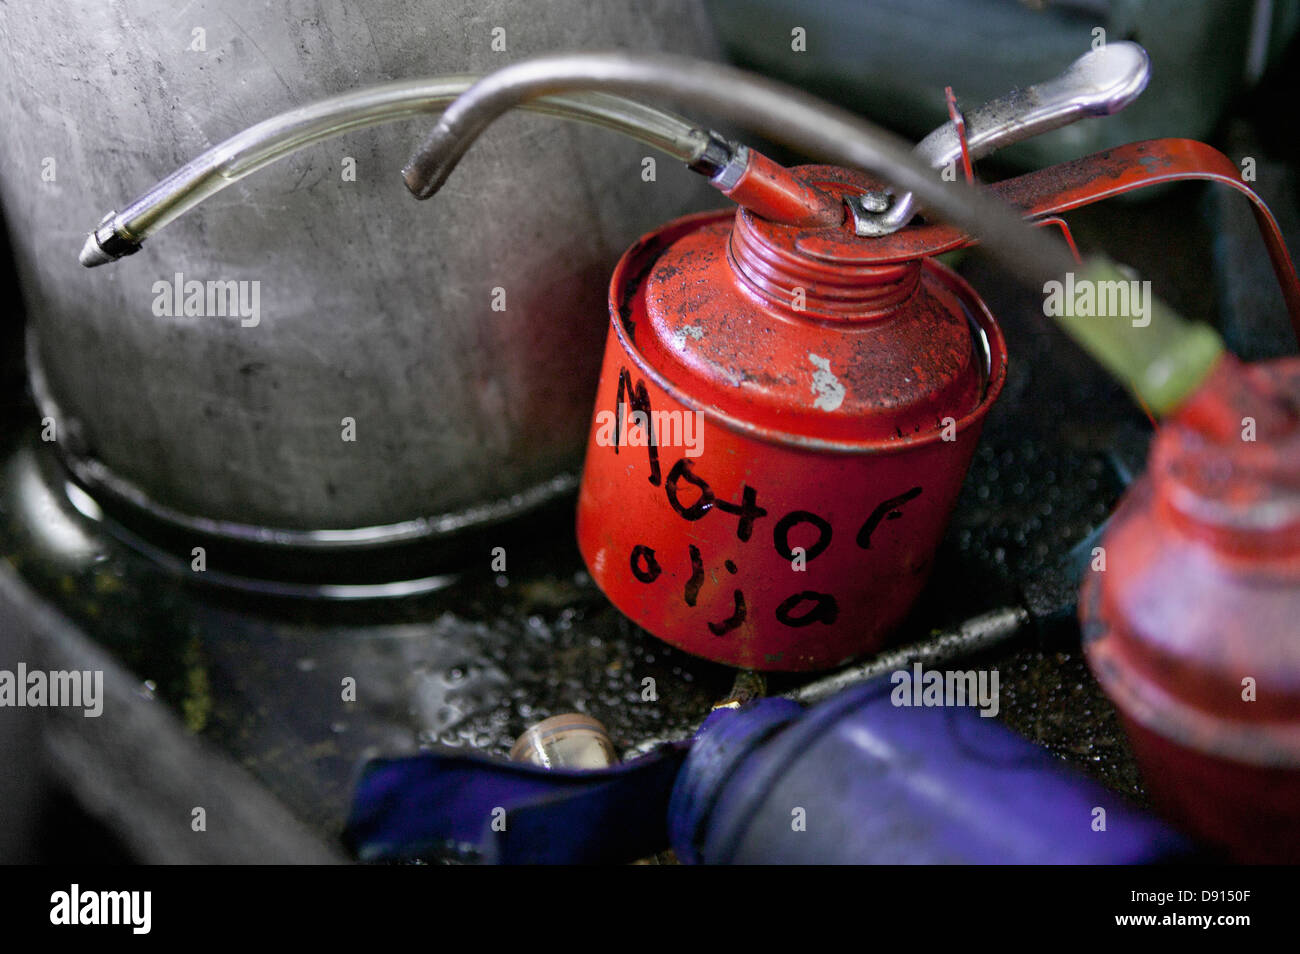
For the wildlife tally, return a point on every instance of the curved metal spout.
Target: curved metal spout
(776, 110)
(121, 233)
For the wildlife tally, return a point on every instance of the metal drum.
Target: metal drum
(379, 369)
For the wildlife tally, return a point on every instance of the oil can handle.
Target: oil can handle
(1099, 83)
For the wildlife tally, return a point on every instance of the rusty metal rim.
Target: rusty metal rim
(98, 479)
(986, 338)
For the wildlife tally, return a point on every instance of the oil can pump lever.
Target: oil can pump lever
(1099, 83)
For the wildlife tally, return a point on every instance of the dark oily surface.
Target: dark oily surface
(471, 666)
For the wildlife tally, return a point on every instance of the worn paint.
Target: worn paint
(827, 390)
(694, 332)
(804, 529)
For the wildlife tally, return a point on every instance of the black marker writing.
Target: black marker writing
(888, 509)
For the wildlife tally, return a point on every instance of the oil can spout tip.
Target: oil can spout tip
(92, 255)
(107, 243)
(417, 183)
(432, 164)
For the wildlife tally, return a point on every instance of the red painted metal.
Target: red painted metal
(1066, 234)
(773, 192)
(959, 123)
(1103, 175)
(838, 384)
(838, 407)
(1199, 597)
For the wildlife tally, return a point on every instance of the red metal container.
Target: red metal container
(782, 427)
(841, 383)
(1193, 627)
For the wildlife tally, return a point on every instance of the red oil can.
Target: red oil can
(791, 393)
(782, 427)
(840, 382)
